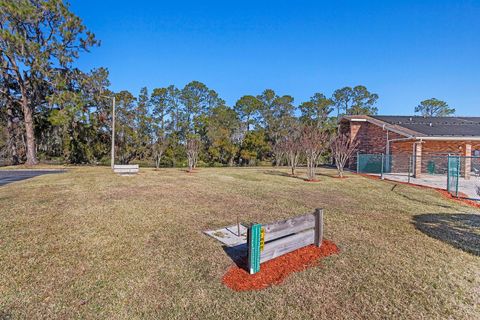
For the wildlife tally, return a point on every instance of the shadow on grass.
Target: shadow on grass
(459, 230)
(238, 254)
(413, 199)
(282, 174)
(289, 175)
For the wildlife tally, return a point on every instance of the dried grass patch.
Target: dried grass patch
(90, 244)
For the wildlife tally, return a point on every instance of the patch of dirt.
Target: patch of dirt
(275, 271)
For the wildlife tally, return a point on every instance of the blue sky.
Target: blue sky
(406, 51)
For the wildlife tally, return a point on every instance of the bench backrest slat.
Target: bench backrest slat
(126, 168)
(280, 247)
(287, 227)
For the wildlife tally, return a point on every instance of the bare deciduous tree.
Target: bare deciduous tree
(278, 152)
(314, 141)
(291, 146)
(159, 148)
(343, 149)
(193, 148)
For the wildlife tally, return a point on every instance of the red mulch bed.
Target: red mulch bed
(462, 198)
(275, 271)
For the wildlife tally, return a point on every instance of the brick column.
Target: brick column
(417, 153)
(467, 162)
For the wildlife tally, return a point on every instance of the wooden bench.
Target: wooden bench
(126, 168)
(269, 241)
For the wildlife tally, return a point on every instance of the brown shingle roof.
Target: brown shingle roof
(436, 126)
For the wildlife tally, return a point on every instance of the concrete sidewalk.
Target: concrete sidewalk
(467, 187)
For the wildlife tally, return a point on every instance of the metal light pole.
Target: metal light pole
(113, 134)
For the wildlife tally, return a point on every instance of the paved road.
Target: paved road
(9, 176)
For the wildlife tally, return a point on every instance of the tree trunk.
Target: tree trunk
(190, 163)
(12, 135)
(277, 160)
(293, 162)
(29, 131)
(311, 168)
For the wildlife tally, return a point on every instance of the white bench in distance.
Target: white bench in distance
(126, 168)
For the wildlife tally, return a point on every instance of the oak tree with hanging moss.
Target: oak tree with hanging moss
(39, 42)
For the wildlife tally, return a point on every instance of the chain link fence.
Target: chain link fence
(457, 174)
(382, 164)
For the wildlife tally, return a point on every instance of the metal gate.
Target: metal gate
(453, 174)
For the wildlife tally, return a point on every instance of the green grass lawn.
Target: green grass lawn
(90, 244)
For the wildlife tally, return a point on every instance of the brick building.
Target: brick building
(426, 140)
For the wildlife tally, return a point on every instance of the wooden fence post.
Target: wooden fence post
(318, 227)
(253, 242)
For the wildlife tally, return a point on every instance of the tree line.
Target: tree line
(50, 109)
(165, 125)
